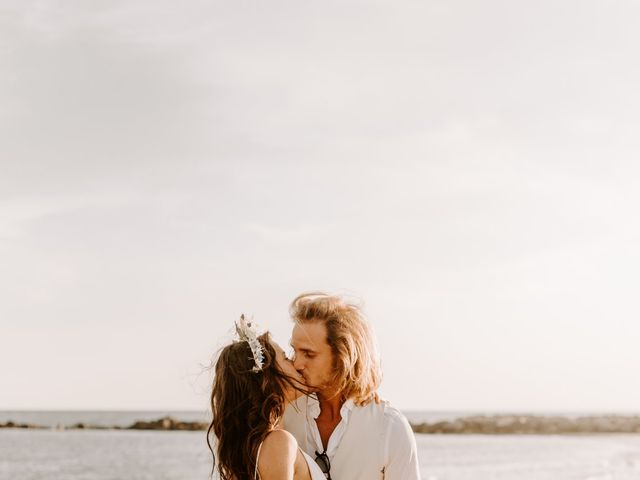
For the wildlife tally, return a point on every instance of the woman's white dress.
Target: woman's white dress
(314, 469)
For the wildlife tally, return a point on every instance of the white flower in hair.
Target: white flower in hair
(248, 333)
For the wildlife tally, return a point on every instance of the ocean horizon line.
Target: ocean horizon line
(424, 421)
(473, 411)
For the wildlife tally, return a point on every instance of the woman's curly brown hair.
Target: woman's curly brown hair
(246, 406)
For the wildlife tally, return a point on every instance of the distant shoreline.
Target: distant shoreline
(475, 424)
(532, 425)
(165, 424)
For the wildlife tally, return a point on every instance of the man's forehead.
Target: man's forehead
(309, 336)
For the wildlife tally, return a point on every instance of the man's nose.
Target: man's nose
(298, 364)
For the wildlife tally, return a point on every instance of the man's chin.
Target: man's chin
(312, 388)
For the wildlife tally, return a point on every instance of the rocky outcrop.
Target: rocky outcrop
(11, 424)
(168, 423)
(529, 424)
(165, 423)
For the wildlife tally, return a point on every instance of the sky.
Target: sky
(465, 171)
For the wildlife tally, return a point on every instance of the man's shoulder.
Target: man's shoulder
(299, 405)
(393, 413)
(384, 409)
(294, 418)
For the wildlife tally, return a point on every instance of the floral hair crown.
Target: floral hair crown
(247, 332)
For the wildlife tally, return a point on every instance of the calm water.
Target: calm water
(138, 455)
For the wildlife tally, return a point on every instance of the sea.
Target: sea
(55, 453)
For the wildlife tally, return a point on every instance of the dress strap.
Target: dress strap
(255, 474)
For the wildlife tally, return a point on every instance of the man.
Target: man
(351, 433)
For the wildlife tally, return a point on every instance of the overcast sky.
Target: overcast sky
(468, 170)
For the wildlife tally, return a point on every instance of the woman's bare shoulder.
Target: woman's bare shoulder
(278, 455)
(280, 439)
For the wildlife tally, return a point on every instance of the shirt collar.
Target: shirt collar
(346, 409)
(313, 408)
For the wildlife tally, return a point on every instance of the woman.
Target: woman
(253, 383)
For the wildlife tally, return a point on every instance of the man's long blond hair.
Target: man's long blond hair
(357, 373)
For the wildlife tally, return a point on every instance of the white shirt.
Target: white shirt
(313, 434)
(379, 445)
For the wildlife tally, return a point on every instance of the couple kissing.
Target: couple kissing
(314, 416)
